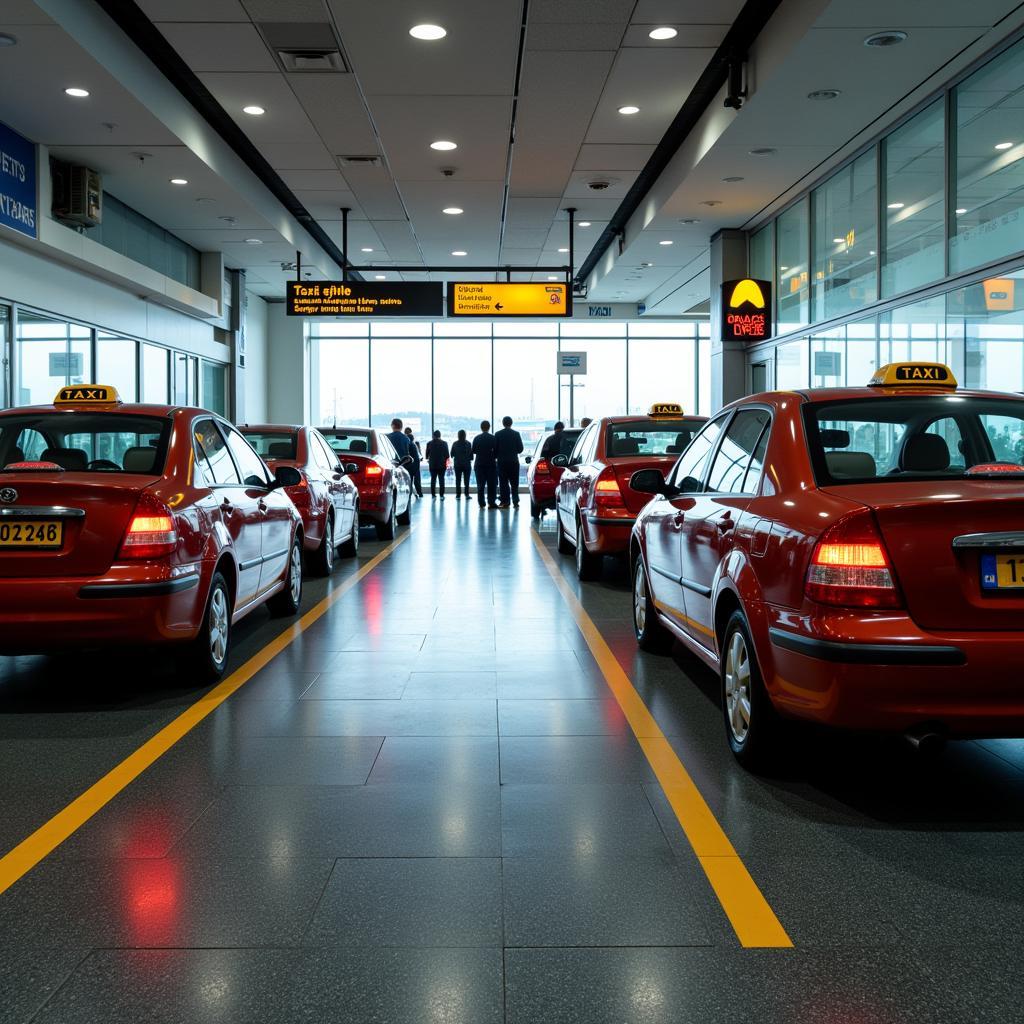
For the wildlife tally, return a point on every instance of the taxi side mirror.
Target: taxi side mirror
(286, 476)
(528, 459)
(648, 481)
(561, 461)
(351, 467)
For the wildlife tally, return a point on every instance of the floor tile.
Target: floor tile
(455, 760)
(361, 685)
(300, 760)
(561, 718)
(390, 718)
(29, 976)
(452, 685)
(573, 759)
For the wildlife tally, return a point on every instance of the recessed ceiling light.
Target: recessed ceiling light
(552, 277)
(381, 277)
(1004, 145)
(443, 145)
(839, 241)
(665, 32)
(961, 210)
(452, 211)
(871, 252)
(896, 206)
(629, 109)
(254, 109)
(665, 241)
(254, 241)
(179, 181)
(563, 250)
(366, 248)
(458, 252)
(428, 32)
(891, 37)
(733, 177)
(583, 224)
(76, 92)
(824, 94)
(711, 202)
(6, 39)
(762, 151)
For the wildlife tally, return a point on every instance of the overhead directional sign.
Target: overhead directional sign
(494, 301)
(358, 299)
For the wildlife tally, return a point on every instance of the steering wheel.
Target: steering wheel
(104, 464)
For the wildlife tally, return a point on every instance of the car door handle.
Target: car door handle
(725, 523)
(677, 522)
(262, 505)
(227, 506)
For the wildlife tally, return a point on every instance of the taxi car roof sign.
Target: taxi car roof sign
(87, 394)
(665, 409)
(913, 374)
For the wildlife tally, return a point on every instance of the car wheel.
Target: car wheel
(535, 510)
(288, 600)
(588, 565)
(211, 647)
(562, 542)
(650, 634)
(388, 529)
(752, 725)
(350, 549)
(405, 517)
(322, 561)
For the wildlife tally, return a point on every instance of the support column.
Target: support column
(728, 358)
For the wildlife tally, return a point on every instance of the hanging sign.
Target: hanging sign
(360, 298)
(504, 299)
(17, 182)
(746, 310)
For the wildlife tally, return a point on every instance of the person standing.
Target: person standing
(462, 461)
(417, 457)
(510, 446)
(399, 442)
(437, 461)
(585, 422)
(485, 460)
(553, 445)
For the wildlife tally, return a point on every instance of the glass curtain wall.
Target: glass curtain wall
(449, 376)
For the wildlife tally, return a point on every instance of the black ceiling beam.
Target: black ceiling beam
(745, 29)
(130, 18)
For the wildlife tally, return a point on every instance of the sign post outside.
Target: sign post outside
(569, 365)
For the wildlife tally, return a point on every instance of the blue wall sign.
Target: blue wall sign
(17, 182)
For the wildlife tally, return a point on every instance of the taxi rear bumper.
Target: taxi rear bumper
(885, 673)
(608, 535)
(38, 615)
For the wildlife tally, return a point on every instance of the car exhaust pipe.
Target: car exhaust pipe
(927, 741)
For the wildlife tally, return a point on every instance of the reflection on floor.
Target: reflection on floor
(428, 809)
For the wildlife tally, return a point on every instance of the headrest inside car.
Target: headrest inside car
(925, 453)
(834, 438)
(851, 465)
(279, 450)
(72, 460)
(139, 460)
(626, 446)
(358, 446)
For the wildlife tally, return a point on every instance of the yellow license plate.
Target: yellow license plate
(32, 533)
(1002, 572)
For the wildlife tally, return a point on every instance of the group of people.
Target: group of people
(493, 457)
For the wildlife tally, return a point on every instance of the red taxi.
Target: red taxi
(326, 498)
(595, 504)
(138, 524)
(385, 485)
(849, 556)
(541, 477)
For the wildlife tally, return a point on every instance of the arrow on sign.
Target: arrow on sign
(498, 305)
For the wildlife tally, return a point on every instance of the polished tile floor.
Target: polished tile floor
(429, 809)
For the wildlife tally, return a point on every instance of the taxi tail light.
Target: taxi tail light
(607, 494)
(373, 470)
(996, 469)
(151, 532)
(542, 468)
(850, 566)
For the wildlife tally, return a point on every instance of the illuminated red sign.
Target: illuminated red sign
(746, 310)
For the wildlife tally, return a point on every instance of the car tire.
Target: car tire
(288, 600)
(535, 510)
(405, 517)
(211, 647)
(350, 549)
(650, 634)
(752, 725)
(388, 529)
(588, 565)
(562, 542)
(321, 562)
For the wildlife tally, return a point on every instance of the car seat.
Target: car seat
(139, 460)
(73, 460)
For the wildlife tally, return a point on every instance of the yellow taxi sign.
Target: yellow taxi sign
(88, 394)
(935, 375)
(665, 409)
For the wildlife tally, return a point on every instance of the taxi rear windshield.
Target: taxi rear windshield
(645, 438)
(355, 442)
(888, 439)
(87, 442)
(273, 445)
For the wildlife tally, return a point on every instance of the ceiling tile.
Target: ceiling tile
(336, 110)
(193, 10)
(219, 47)
(576, 36)
(291, 156)
(686, 12)
(284, 120)
(689, 36)
(285, 10)
(603, 157)
(580, 11)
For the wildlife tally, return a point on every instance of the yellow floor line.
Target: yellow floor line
(29, 852)
(751, 917)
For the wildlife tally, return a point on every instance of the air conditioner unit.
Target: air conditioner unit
(77, 194)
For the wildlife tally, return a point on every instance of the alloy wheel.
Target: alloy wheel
(218, 626)
(295, 574)
(329, 544)
(640, 598)
(737, 687)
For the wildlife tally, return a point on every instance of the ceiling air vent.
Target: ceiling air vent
(311, 60)
(359, 161)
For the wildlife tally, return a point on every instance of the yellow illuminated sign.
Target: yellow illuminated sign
(666, 409)
(87, 394)
(934, 375)
(747, 291)
(477, 298)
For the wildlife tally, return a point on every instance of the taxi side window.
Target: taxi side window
(213, 456)
(694, 460)
(32, 445)
(584, 450)
(732, 459)
(322, 454)
(752, 481)
(386, 448)
(250, 465)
